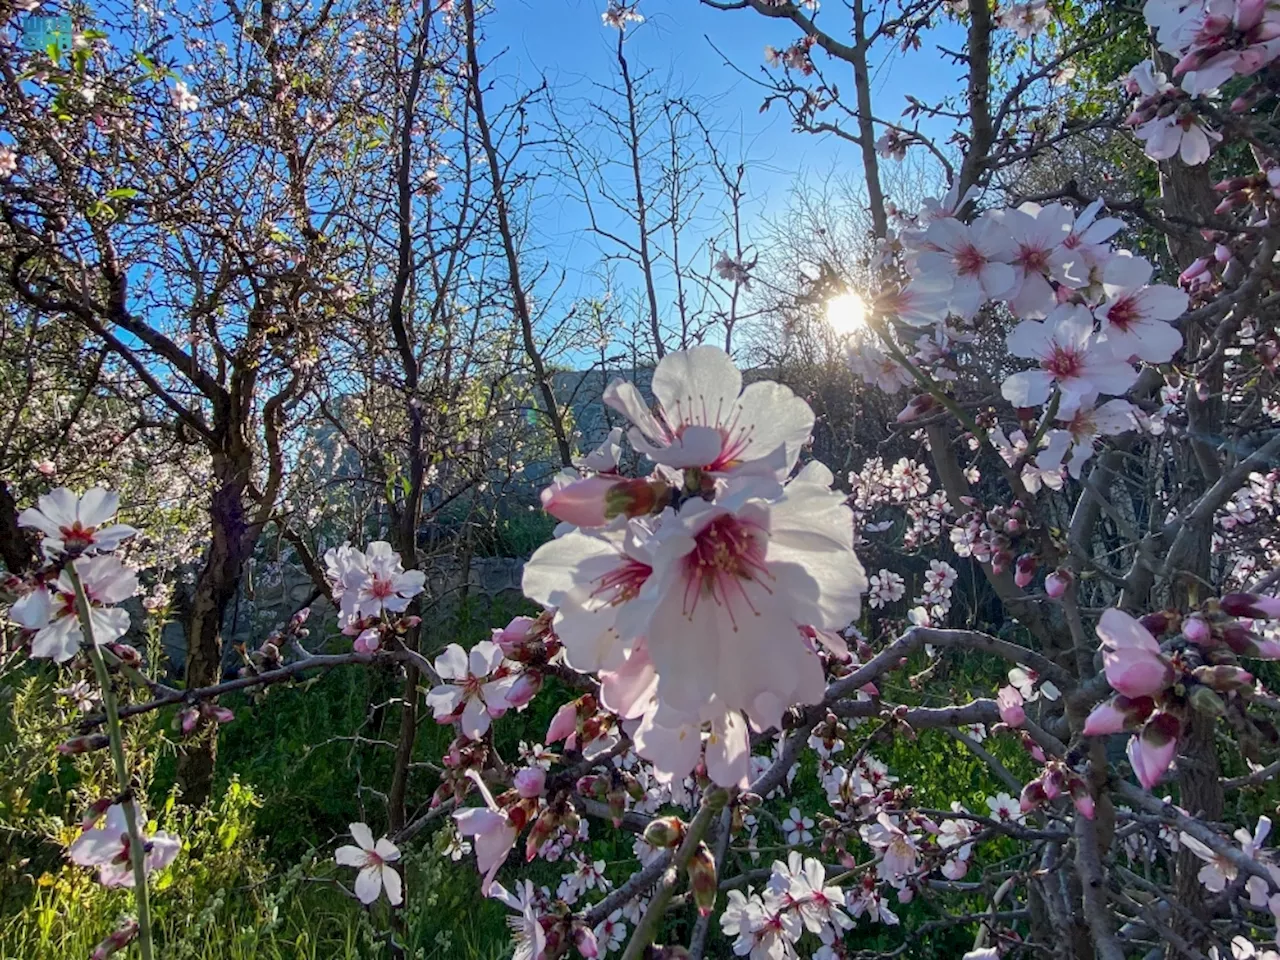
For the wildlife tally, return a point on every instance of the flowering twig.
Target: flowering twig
(712, 804)
(137, 847)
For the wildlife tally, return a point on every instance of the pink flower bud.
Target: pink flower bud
(1117, 714)
(46, 467)
(1194, 272)
(187, 720)
(917, 407)
(584, 939)
(580, 502)
(529, 782)
(1081, 798)
(1009, 701)
(1197, 630)
(524, 689)
(94, 813)
(1032, 796)
(1251, 605)
(563, 724)
(120, 938)
(85, 744)
(1056, 583)
(1025, 570)
(221, 714)
(1152, 751)
(369, 641)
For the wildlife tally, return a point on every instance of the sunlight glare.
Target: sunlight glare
(846, 313)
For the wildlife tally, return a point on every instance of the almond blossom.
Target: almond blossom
(589, 579)
(467, 693)
(1074, 445)
(899, 850)
(371, 583)
(704, 417)
(1027, 18)
(50, 610)
(1131, 657)
(1136, 317)
(373, 860)
(76, 525)
(1070, 359)
(106, 846)
(735, 581)
(974, 258)
(1037, 233)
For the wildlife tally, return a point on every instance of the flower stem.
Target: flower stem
(137, 848)
(647, 929)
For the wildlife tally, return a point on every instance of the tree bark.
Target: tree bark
(215, 588)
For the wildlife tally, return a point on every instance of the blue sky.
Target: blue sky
(565, 41)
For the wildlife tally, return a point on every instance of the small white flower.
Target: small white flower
(374, 862)
(798, 827)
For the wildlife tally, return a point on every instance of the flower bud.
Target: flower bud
(85, 744)
(1157, 624)
(120, 938)
(525, 688)
(563, 724)
(702, 879)
(584, 939)
(617, 801)
(512, 638)
(664, 832)
(529, 781)
(1224, 677)
(1197, 630)
(917, 407)
(1250, 605)
(94, 813)
(127, 655)
(1025, 570)
(580, 502)
(1032, 796)
(540, 833)
(1056, 583)
(1205, 701)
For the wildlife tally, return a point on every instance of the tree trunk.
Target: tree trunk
(215, 588)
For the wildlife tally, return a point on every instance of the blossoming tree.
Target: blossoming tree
(709, 634)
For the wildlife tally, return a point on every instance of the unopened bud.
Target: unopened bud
(617, 801)
(120, 938)
(1224, 677)
(1205, 701)
(702, 879)
(1197, 630)
(1250, 605)
(664, 832)
(529, 782)
(1056, 583)
(917, 407)
(85, 744)
(126, 654)
(1025, 570)
(525, 688)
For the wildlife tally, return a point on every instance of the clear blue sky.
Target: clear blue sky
(565, 41)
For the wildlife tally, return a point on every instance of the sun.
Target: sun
(846, 314)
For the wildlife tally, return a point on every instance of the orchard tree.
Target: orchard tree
(1098, 429)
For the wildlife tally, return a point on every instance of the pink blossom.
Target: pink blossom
(1010, 703)
(107, 848)
(466, 692)
(50, 611)
(1152, 751)
(1070, 358)
(76, 525)
(704, 418)
(1131, 656)
(529, 781)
